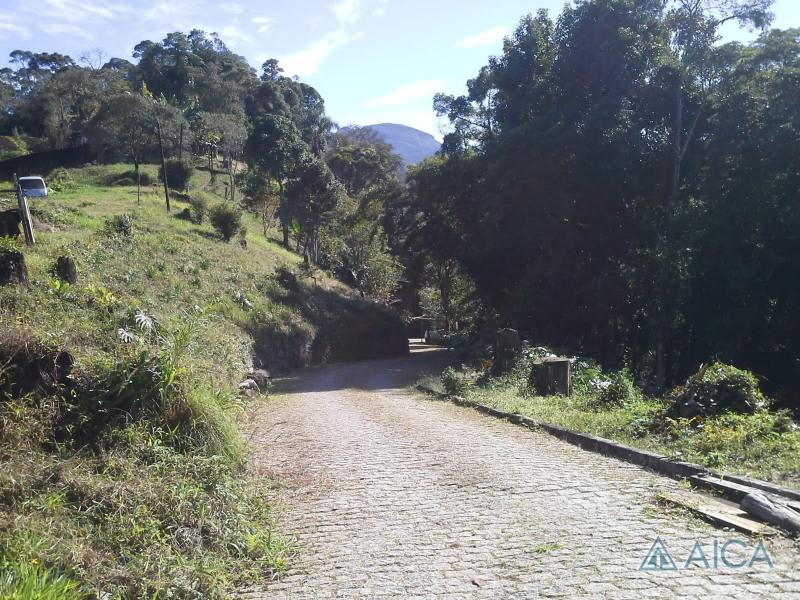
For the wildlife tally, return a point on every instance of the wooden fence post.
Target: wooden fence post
(163, 163)
(24, 213)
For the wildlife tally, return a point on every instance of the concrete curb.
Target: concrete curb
(643, 458)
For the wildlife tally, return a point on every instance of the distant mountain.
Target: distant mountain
(411, 144)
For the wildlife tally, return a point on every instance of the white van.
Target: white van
(33, 187)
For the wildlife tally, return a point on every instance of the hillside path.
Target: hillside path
(392, 495)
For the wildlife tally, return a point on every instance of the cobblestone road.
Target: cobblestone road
(391, 495)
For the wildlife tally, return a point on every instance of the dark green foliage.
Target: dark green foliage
(179, 173)
(610, 192)
(287, 279)
(129, 178)
(454, 382)
(121, 225)
(618, 390)
(226, 219)
(198, 206)
(60, 180)
(719, 388)
(274, 151)
(360, 165)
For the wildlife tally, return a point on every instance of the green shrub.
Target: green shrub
(60, 180)
(454, 383)
(54, 214)
(179, 173)
(226, 219)
(198, 206)
(763, 441)
(121, 225)
(617, 390)
(129, 178)
(716, 389)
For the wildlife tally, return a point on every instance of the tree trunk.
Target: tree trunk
(677, 148)
(667, 273)
(163, 164)
(231, 176)
(284, 215)
(211, 162)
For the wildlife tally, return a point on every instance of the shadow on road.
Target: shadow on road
(371, 375)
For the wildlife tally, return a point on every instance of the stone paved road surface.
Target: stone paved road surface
(391, 495)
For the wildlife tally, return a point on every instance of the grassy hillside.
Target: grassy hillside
(126, 475)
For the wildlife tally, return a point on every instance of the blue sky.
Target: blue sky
(372, 60)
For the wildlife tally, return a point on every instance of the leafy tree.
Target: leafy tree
(313, 195)
(449, 294)
(233, 133)
(275, 150)
(559, 242)
(360, 165)
(194, 69)
(71, 98)
(124, 124)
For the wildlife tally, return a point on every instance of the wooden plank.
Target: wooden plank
(719, 512)
(766, 486)
(24, 213)
(774, 513)
(737, 491)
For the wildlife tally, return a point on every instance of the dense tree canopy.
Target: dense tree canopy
(619, 184)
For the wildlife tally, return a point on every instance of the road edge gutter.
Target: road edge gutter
(649, 460)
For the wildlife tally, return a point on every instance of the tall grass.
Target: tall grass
(29, 581)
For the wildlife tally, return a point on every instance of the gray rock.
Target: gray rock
(261, 377)
(249, 385)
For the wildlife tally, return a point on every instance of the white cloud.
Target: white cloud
(380, 10)
(308, 60)
(15, 29)
(232, 7)
(77, 11)
(347, 11)
(234, 34)
(484, 38)
(69, 29)
(263, 24)
(417, 90)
